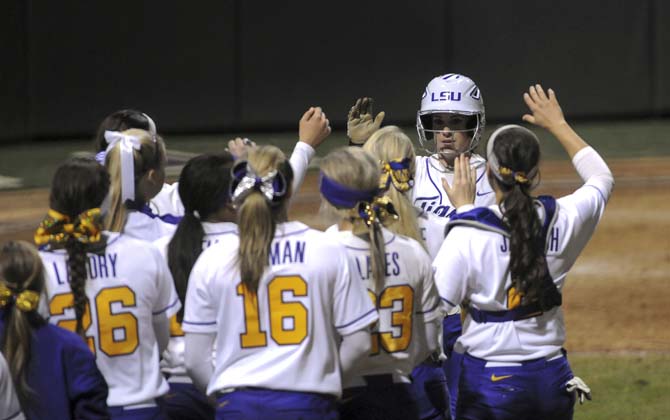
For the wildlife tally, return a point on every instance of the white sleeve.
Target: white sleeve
(451, 271)
(200, 309)
(353, 309)
(302, 154)
(198, 358)
(167, 302)
(161, 327)
(9, 402)
(431, 306)
(587, 204)
(353, 349)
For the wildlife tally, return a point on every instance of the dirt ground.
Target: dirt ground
(617, 297)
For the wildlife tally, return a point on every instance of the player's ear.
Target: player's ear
(155, 176)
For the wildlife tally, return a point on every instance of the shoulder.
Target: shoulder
(482, 219)
(130, 245)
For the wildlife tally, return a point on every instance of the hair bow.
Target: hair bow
(519, 176)
(126, 146)
(396, 172)
(497, 169)
(272, 185)
(380, 210)
(26, 300)
(57, 228)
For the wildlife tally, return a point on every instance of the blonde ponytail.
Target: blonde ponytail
(391, 144)
(258, 214)
(350, 190)
(151, 155)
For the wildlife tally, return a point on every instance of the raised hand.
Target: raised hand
(546, 112)
(462, 190)
(314, 127)
(360, 124)
(239, 147)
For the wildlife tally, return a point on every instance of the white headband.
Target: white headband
(152, 127)
(126, 146)
(493, 160)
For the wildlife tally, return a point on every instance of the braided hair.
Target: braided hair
(516, 155)
(78, 185)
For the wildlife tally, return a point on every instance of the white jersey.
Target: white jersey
(428, 194)
(9, 400)
(147, 228)
(167, 201)
(172, 363)
(473, 264)
(128, 287)
(408, 301)
(431, 228)
(294, 345)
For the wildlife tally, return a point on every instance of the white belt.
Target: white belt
(553, 356)
(144, 404)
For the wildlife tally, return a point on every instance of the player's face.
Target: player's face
(451, 137)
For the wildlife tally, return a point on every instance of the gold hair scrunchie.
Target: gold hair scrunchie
(519, 177)
(396, 172)
(26, 301)
(56, 228)
(380, 210)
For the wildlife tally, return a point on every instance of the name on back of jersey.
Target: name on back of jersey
(97, 266)
(392, 267)
(287, 252)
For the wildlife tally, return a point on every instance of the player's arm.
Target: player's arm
(313, 129)
(430, 311)
(360, 124)
(198, 358)
(87, 388)
(354, 348)
(451, 270)
(161, 326)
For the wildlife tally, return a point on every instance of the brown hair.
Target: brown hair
(20, 269)
(517, 150)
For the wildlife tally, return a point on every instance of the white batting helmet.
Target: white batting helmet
(450, 93)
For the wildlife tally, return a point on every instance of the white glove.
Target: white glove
(577, 385)
(360, 124)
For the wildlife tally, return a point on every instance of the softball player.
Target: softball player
(277, 306)
(449, 123)
(396, 271)
(136, 162)
(115, 291)
(166, 205)
(395, 152)
(54, 372)
(209, 219)
(510, 261)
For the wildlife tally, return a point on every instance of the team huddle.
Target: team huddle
(434, 294)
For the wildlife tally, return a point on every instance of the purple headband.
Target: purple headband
(344, 197)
